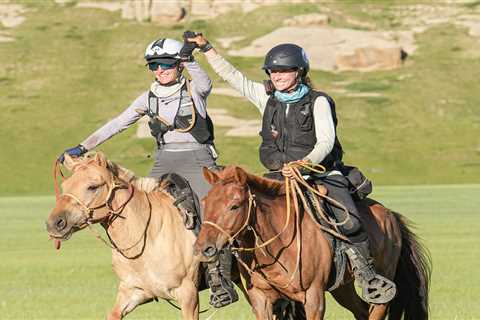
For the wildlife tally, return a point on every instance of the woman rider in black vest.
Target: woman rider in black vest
(178, 120)
(299, 123)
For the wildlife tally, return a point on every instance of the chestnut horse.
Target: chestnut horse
(294, 259)
(152, 252)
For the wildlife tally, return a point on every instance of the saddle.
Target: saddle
(339, 263)
(185, 200)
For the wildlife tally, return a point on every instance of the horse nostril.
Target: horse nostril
(209, 251)
(61, 224)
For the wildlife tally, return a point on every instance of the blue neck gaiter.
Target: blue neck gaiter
(294, 96)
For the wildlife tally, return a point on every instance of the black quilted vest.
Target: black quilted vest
(291, 137)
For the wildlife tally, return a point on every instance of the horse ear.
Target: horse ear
(210, 176)
(241, 175)
(68, 161)
(100, 159)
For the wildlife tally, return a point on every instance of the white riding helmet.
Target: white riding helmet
(163, 50)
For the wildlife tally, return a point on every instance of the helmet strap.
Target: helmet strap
(179, 68)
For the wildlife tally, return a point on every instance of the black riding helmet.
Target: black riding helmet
(287, 56)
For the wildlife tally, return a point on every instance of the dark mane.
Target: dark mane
(265, 185)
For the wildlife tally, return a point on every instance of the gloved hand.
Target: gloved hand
(188, 46)
(73, 152)
(200, 41)
(287, 171)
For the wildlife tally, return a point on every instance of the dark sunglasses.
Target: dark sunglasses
(282, 70)
(164, 66)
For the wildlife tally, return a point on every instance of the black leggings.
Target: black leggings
(337, 186)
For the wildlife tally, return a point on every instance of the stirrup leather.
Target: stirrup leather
(376, 289)
(184, 204)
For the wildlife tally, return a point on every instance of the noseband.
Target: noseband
(251, 205)
(89, 211)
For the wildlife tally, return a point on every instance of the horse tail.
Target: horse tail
(412, 276)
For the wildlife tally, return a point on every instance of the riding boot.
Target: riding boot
(375, 288)
(219, 279)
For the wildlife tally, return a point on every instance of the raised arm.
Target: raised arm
(201, 83)
(253, 91)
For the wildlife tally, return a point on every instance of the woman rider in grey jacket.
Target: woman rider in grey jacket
(178, 120)
(299, 124)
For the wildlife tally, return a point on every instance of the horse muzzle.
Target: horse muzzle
(207, 252)
(61, 227)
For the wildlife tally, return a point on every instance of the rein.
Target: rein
(231, 239)
(89, 211)
(292, 189)
(296, 190)
(112, 213)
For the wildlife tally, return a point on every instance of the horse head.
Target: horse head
(86, 197)
(227, 210)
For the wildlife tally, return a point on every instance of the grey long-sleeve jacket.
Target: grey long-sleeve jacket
(201, 86)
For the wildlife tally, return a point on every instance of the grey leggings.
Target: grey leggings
(188, 164)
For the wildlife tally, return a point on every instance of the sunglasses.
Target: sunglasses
(282, 70)
(164, 66)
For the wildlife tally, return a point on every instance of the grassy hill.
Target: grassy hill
(72, 69)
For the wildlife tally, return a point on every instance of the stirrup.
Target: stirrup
(222, 291)
(378, 290)
(222, 294)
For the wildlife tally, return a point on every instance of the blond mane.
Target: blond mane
(147, 184)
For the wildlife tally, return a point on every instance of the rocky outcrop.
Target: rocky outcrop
(172, 11)
(157, 12)
(11, 15)
(337, 48)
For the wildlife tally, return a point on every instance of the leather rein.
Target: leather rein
(292, 188)
(247, 225)
(107, 220)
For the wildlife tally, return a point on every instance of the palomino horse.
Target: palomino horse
(152, 252)
(294, 259)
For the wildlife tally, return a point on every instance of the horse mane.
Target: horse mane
(265, 185)
(147, 184)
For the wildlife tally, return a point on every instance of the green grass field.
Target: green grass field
(38, 282)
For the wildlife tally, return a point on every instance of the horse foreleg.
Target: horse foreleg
(127, 300)
(262, 303)
(348, 298)
(187, 297)
(378, 312)
(315, 304)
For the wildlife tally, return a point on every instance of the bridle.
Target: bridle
(112, 213)
(108, 219)
(251, 206)
(246, 225)
(292, 191)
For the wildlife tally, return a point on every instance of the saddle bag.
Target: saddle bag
(360, 186)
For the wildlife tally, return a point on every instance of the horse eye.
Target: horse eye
(93, 187)
(234, 207)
